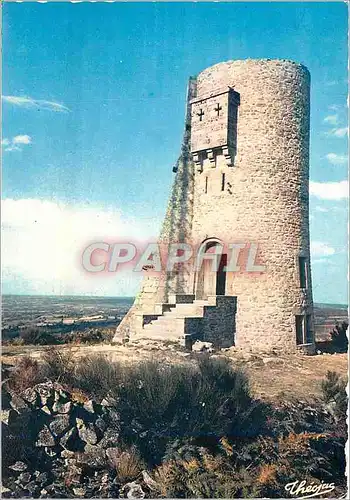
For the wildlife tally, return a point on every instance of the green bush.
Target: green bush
(334, 395)
(37, 336)
(97, 376)
(339, 337)
(162, 403)
(26, 374)
(58, 365)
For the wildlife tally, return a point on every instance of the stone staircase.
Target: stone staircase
(185, 319)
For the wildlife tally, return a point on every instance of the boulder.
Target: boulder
(60, 425)
(86, 432)
(61, 407)
(30, 395)
(18, 466)
(200, 346)
(133, 490)
(45, 438)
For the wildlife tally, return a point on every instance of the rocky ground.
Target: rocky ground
(69, 443)
(61, 442)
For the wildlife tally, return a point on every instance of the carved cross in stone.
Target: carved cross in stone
(200, 114)
(218, 109)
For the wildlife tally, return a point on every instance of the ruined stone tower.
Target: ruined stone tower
(241, 186)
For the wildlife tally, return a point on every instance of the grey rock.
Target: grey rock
(60, 425)
(86, 432)
(114, 417)
(93, 456)
(100, 424)
(31, 487)
(89, 406)
(110, 438)
(24, 477)
(70, 434)
(45, 438)
(59, 407)
(46, 392)
(5, 416)
(272, 360)
(46, 410)
(42, 478)
(113, 454)
(133, 490)
(18, 466)
(18, 404)
(199, 346)
(109, 401)
(30, 395)
(79, 492)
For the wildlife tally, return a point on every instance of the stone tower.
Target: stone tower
(241, 194)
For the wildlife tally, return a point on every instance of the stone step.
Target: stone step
(163, 320)
(193, 313)
(155, 335)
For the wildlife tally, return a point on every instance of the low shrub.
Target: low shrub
(339, 337)
(127, 464)
(98, 376)
(58, 365)
(26, 374)
(36, 336)
(162, 403)
(336, 399)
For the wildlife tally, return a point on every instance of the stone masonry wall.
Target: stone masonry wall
(265, 196)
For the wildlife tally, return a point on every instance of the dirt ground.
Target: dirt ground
(292, 377)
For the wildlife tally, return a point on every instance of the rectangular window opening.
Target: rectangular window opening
(303, 275)
(299, 323)
(308, 331)
(223, 182)
(303, 329)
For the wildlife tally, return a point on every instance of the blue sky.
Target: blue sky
(95, 115)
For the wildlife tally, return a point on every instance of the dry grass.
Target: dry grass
(288, 377)
(127, 464)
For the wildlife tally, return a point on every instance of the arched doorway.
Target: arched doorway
(211, 275)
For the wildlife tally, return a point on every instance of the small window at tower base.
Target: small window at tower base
(299, 329)
(303, 329)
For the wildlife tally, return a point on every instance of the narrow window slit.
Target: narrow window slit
(223, 182)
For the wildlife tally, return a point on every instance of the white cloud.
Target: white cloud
(43, 243)
(338, 132)
(30, 103)
(336, 159)
(330, 190)
(331, 119)
(334, 107)
(321, 249)
(321, 209)
(22, 139)
(321, 261)
(16, 142)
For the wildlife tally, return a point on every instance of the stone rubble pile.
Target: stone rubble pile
(60, 443)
